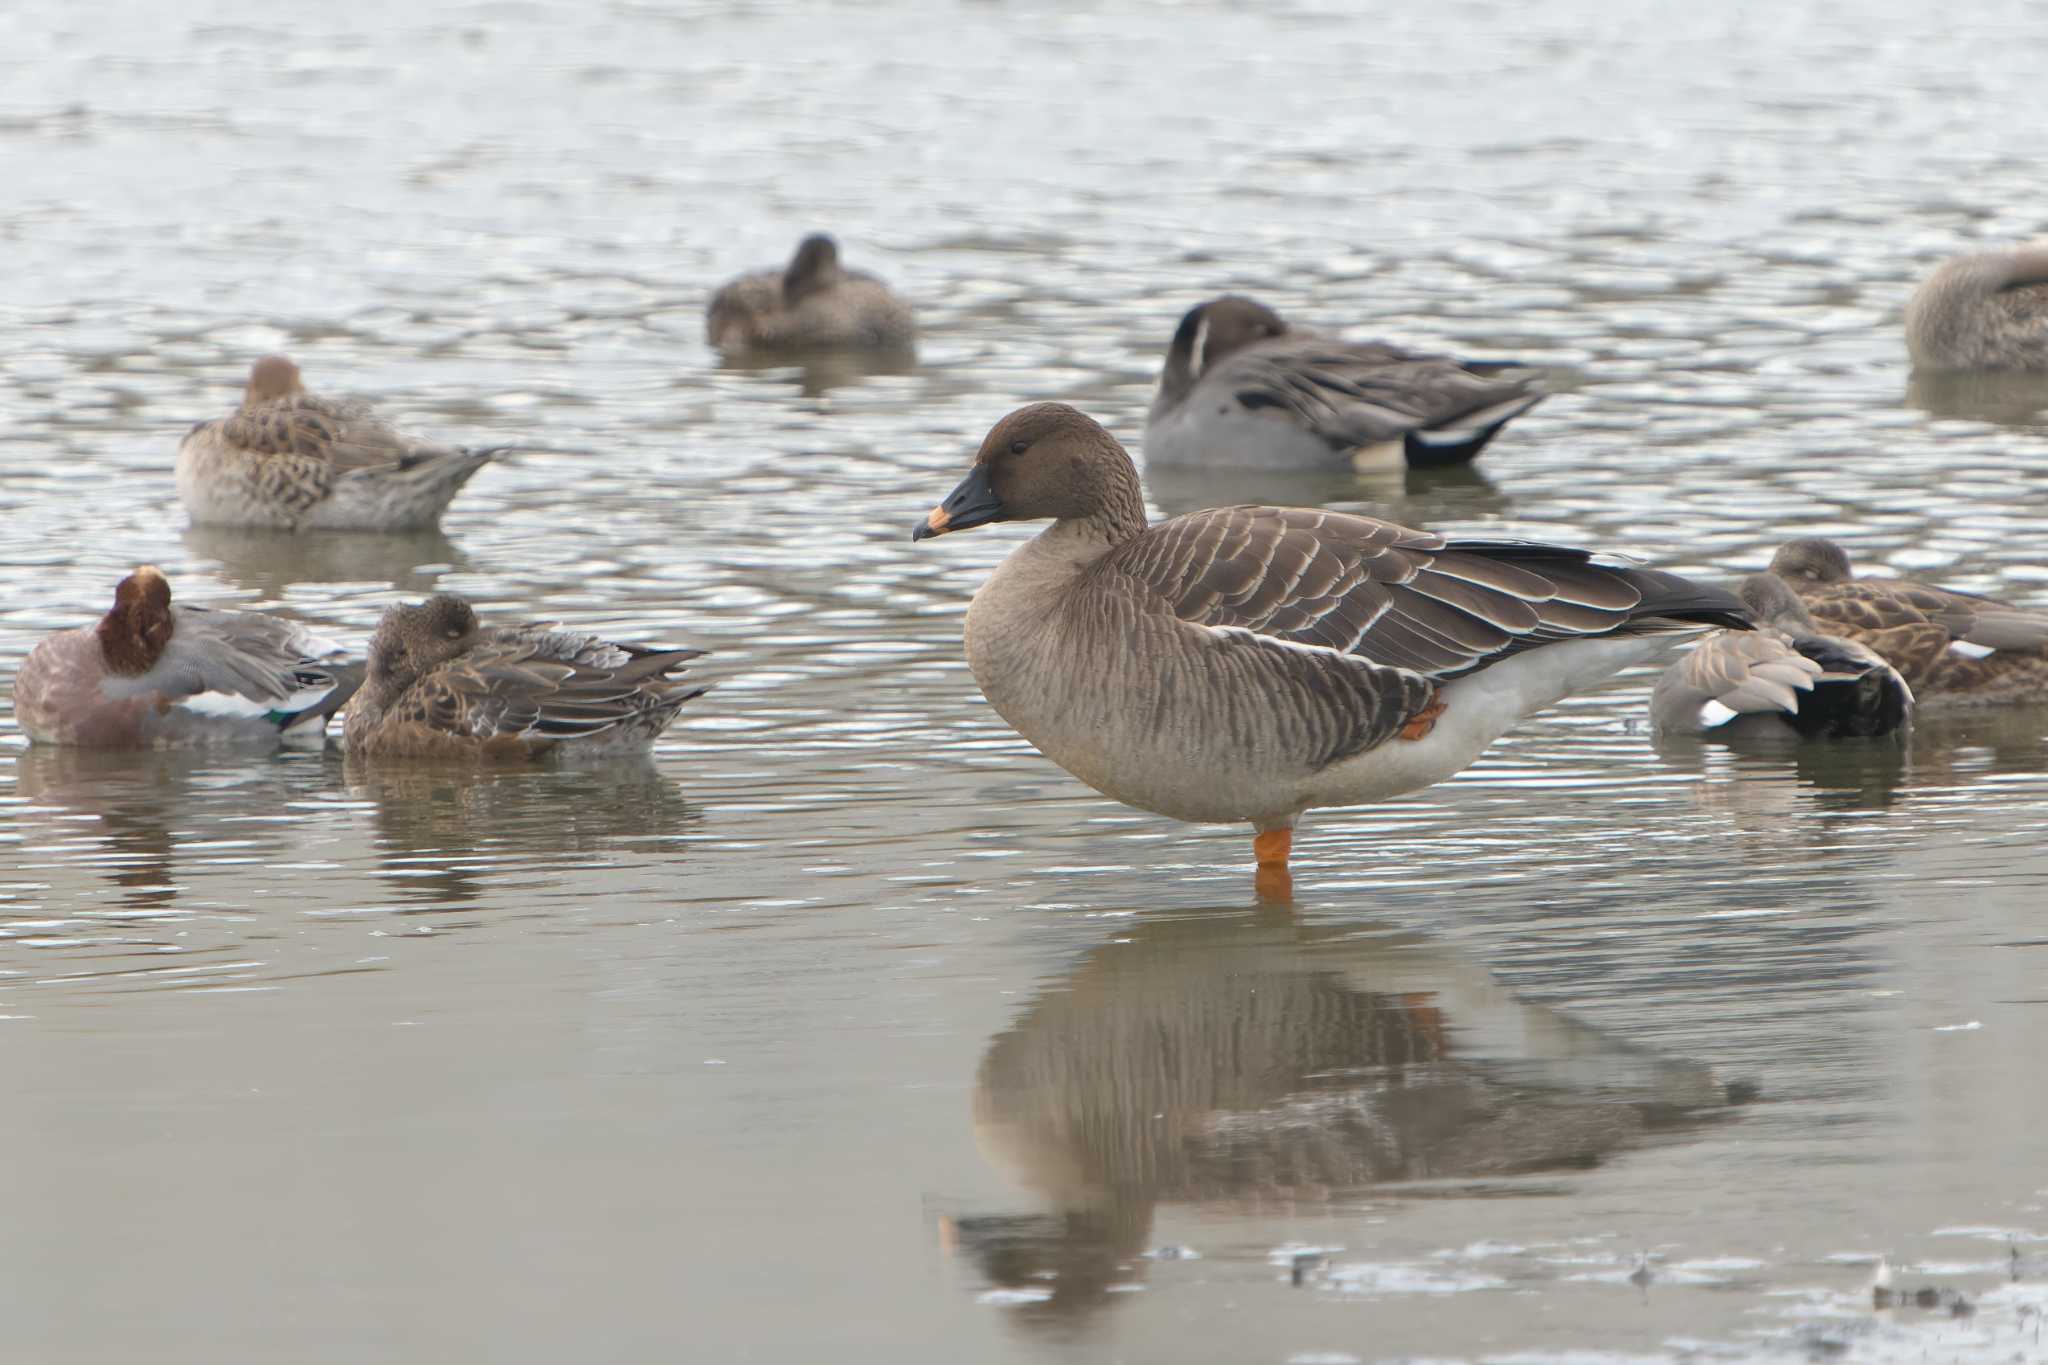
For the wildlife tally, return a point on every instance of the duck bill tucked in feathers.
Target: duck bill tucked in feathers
(972, 503)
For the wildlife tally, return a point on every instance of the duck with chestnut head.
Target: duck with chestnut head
(1247, 664)
(1242, 388)
(288, 460)
(441, 684)
(153, 674)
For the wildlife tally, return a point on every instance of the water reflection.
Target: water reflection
(270, 562)
(1942, 751)
(133, 816)
(1457, 492)
(445, 830)
(1249, 1061)
(818, 372)
(2007, 399)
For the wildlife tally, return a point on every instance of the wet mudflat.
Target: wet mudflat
(846, 1023)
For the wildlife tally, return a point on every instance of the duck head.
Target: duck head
(272, 378)
(413, 640)
(1812, 559)
(133, 634)
(1211, 331)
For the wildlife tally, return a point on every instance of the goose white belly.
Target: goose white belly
(1478, 709)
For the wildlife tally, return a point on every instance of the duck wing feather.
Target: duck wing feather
(1355, 394)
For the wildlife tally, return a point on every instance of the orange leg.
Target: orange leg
(1423, 721)
(1273, 883)
(1272, 846)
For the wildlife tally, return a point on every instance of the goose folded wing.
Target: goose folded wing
(1396, 597)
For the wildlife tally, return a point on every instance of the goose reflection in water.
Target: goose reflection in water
(269, 562)
(1250, 1062)
(442, 828)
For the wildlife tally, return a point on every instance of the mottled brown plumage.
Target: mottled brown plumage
(286, 459)
(440, 684)
(1956, 650)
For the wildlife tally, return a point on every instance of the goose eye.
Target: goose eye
(1019, 447)
(453, 632)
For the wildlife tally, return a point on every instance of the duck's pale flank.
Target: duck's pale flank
(1240, 387)
(1786, 675)
(812, 304)
(1956, 650)
(443, 685)
(1988, 311)
(287, 460)
(1249, 663)
(154, 675)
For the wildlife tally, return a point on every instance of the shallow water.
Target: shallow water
(846, 1024)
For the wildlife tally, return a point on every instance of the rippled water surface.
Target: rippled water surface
(846, 1027)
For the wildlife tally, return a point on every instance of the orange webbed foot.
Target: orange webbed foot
(1272, 847)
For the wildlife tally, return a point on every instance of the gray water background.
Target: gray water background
(705, 1060)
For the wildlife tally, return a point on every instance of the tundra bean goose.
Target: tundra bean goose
(1957, 651)
(286, 460)
(1249, 663)
(442, 685)
(1241, 387)
(814, 303)
(153, 675)
(1983, 312)
(1786, 675)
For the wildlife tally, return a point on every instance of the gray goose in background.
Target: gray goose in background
(812, 304)
(1957, 650)
(1242, 388)
(1786, 675)
(1983, 312)
(1248, 663)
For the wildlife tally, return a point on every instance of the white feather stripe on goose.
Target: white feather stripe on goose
(1248, 663)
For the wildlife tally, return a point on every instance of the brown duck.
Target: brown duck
(442, 685)
(1956, 650)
